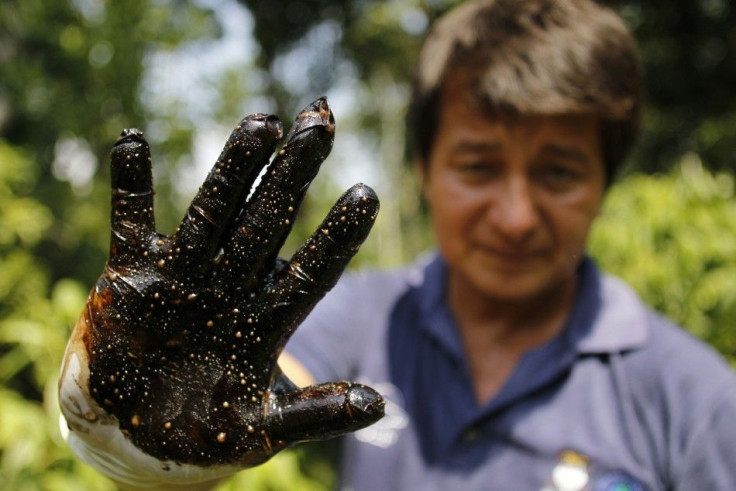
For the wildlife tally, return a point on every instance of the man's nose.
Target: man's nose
(514, 212)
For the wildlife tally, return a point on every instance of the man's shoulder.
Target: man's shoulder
(678, 351)
(672, 363)
(348, 327)
(376, 287)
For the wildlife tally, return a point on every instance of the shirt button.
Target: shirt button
(471, 434)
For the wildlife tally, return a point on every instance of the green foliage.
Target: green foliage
(305, 468)
(35, 320)
(673, 238)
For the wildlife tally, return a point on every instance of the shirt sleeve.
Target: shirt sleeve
(326, 343)
(335, 341)
(709, 461)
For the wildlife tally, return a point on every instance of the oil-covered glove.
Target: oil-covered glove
(170, 375)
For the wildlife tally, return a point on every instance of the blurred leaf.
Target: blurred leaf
(673, 238)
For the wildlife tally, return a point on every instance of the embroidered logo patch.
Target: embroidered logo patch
(617, 481)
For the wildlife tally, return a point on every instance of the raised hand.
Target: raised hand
(170, 375)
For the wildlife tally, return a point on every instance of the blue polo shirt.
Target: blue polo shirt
(621, 399)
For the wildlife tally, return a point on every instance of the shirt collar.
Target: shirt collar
(607, 317)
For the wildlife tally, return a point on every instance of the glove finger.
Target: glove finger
(268, 216)
(223, 192)
(317, 265)
(132, 221)
(322, 411)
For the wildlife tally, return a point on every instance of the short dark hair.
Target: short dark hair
(533, 57)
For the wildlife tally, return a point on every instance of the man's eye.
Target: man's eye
(560, 172)
(476, 168)
(476, 172)
(557, 175)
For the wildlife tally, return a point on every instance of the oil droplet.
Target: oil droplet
(221, 437)
(161, 263)
(135, 421)
(191, 296)
(210, 323)
(251, 429)
(167, 425)
(226, 404)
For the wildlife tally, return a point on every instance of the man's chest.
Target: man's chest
(571, 432)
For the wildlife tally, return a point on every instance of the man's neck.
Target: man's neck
(496, 334)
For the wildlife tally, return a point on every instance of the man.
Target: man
(507, 359)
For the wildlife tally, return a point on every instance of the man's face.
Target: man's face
(512, 199)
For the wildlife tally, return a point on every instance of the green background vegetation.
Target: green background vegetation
(73, 73)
